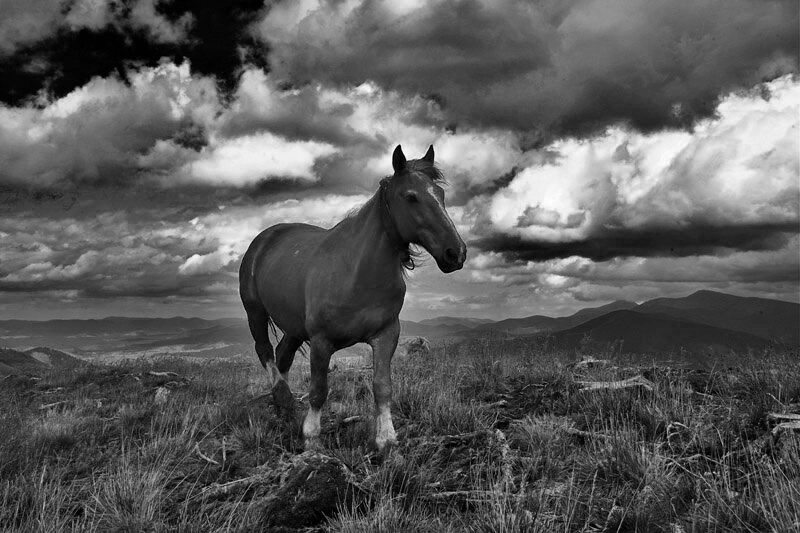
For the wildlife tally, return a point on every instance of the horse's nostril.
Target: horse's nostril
(451, 255)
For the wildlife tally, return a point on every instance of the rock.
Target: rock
(412, 347)
(590, 362)
(162, 393)
(311, 491)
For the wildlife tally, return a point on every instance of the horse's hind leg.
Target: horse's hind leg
(321, 351)
(285, 356)
(258, 320)
(285, 352)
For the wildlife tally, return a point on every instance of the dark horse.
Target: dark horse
(336, 287)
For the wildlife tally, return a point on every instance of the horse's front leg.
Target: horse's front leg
(383, 347)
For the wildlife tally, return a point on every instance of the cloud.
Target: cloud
(695, 239)
(143, 15)
(559, 68)
(250, 159)
(116, 253)
(94, 133)
(731, 184)
(91, 14)
(24, 22)
(295, 113)
(208, 263)
(781, 265)
(170, 126)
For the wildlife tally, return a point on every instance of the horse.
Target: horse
(332, 288)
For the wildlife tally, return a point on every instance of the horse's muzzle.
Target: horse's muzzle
(453, 259)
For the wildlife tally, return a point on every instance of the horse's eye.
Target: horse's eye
(411, 197)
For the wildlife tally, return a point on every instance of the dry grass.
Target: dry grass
(496, 436)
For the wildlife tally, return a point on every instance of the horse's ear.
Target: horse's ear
(398, 160)
(428, 155)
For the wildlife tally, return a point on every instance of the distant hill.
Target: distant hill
(462, 322)
(120, 333)
(14, 362)
(37, 359)
(589, 313)
(647, 332)
(768, 319)
(525, 325)
(544, 324)
(433, 331)
(54, 358)
(112, 325)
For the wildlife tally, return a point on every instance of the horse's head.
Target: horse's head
(415, 202)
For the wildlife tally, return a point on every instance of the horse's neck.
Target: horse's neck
(374, 250)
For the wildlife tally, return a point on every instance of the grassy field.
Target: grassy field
(494, 436)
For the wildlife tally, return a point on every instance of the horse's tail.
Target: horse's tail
(257, 317)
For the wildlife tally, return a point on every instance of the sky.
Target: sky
(594, 150)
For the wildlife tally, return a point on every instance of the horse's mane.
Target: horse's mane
(429, 169)
(432, 172)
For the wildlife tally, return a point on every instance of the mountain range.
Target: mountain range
(705, 321)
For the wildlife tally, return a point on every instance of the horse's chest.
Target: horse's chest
(356, 314)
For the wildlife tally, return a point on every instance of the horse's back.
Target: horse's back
(273, 272)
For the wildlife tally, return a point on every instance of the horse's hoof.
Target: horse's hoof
(313, 444)
(388, 452)
(386, 446)
(283, 398)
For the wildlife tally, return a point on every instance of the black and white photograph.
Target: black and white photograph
(400, 266)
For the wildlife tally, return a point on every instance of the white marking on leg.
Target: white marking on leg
(384, 430)
(311, 425)
(274, 376)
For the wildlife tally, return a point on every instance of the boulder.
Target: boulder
(412, 347)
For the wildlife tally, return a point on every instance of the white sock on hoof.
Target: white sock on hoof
(311, 425)
(384, 430)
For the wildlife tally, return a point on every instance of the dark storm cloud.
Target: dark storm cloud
(59, 46)
(295, 114)
(553, 67)
(609, 242)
